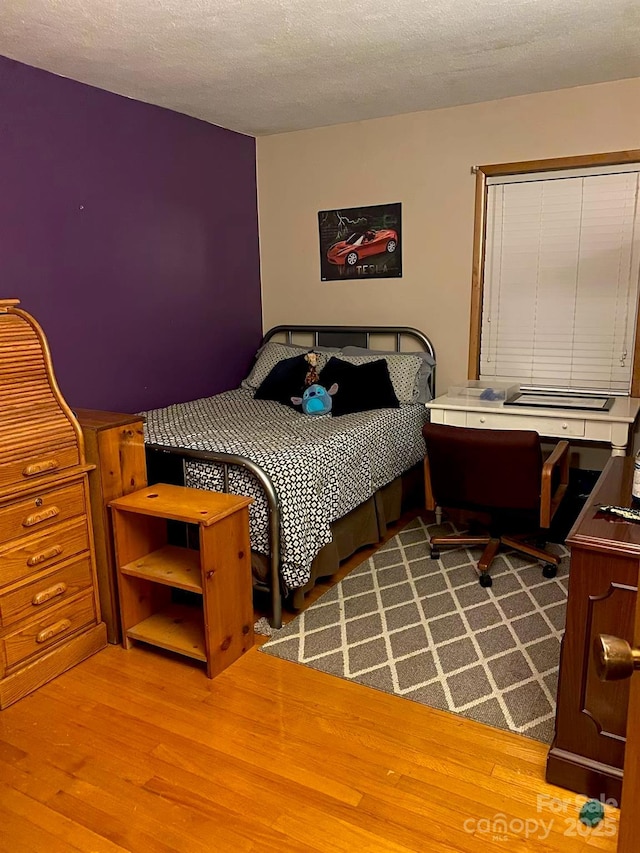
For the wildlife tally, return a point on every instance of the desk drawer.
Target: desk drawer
(38, 465)
(452, 417)
(46, 591)
(41, 511)
(53, 627)
(35, 553)
(557, 427)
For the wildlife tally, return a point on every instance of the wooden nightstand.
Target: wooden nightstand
(114, 443)
(219, 628)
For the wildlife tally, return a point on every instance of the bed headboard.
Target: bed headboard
(384, 338)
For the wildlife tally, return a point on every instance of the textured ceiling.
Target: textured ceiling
(267, 66)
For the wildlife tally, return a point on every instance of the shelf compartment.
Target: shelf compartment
(170, 565)
(177, 628)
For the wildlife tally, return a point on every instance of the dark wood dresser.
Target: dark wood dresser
(49, 610)
(587, 754)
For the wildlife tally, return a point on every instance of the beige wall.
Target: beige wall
(423, 160)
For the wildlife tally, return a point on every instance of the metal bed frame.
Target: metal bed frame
(328, 336)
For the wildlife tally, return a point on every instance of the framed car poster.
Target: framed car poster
(361, 242)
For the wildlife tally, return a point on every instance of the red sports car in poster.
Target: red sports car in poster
(361, 245)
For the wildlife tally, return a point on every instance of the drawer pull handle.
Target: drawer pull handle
(53, 631)
(482, 420)
(40, 467)
(48, 594)
(38, 517)
(49, 554)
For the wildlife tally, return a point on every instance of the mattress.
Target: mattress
(321, 467)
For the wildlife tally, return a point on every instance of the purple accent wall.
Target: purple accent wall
(130, 232)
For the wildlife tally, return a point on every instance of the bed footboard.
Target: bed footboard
(226, 460)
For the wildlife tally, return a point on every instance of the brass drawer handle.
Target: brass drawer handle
(53, 631)
(48, 594)
(49, 554)
(40, 467)
(38, 517)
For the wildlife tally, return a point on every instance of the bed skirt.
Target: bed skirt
(365, 525)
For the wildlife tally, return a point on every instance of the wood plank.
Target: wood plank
(314, 762)
(48, 824)
(268, 756)
(97, 420)
(18, 835)
(86, 807)
(195, 506)
(178, 628)
(171, 565)
(213, 797)
(114, 443)
(225, 553)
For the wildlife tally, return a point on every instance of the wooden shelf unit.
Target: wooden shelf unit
(219, 628)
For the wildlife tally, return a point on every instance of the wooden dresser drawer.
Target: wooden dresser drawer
(38, 464)
(52, 627)
(49, 589)
(42, 550)
(41, 511)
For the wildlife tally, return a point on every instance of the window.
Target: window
(556, 273)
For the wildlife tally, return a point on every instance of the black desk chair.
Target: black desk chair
(500, 473)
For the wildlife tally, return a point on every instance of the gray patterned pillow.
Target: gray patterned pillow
(270, 354)
(403, 370)
(422, 393)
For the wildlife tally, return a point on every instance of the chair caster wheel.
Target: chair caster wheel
(549, 570)
(435, 553)
(486, 580)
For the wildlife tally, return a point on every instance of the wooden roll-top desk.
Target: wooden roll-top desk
(49, 610)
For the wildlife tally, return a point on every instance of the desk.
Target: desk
(610, 427)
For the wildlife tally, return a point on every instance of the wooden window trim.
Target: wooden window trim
(479, 240)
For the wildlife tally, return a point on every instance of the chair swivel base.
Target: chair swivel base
(492, 546)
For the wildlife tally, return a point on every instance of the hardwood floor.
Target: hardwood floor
(138, 751)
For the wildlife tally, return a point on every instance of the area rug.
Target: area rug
(427, 631)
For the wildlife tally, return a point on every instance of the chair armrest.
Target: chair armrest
(550, 500)
(429, 500)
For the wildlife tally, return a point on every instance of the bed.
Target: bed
(322, 486)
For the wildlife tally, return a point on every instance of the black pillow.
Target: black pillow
(361, 387)
(284, 381)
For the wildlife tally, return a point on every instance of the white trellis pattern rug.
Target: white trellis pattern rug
(426, 630)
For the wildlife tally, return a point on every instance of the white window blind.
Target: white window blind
(562, 257)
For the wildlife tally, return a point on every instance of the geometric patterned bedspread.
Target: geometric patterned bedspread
(321, 467)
